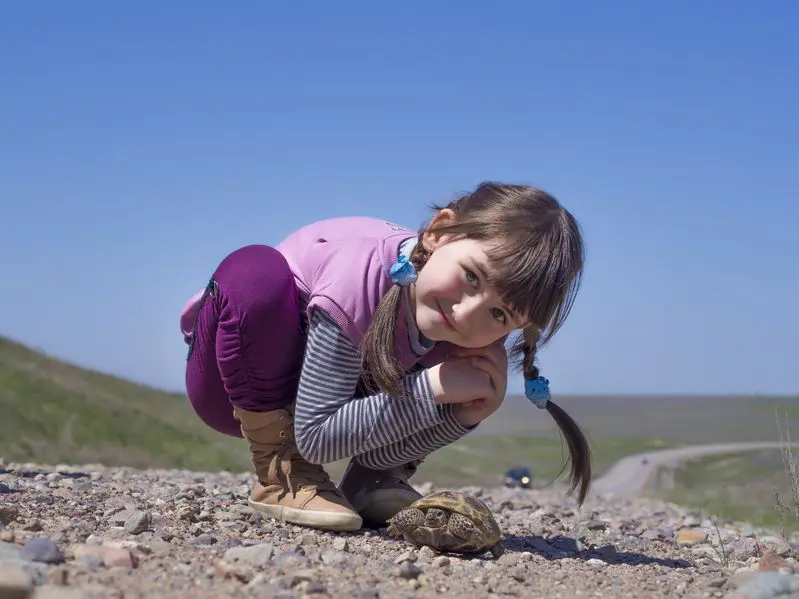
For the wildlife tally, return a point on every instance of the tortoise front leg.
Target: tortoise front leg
(405, 521)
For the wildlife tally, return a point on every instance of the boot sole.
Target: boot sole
(324, 520)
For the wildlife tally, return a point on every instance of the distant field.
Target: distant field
(685, 419)
(483, 459)
(739, 486)
(54, 412)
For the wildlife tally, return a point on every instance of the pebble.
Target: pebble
(691, 537)
(43, 550)
(138, 523)
(91, 531)
(254, 555)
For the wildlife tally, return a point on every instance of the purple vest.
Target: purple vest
(341, 266)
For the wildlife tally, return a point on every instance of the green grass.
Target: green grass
(483, 460)
(785, 408)
(55, 412)
(738, 486)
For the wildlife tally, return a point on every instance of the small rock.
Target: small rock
(255, 554)
(408, 556)
(426, 554)
(8, 513)
(205, 539)
(717, 582)
(594, 524)
(42, 549)
(334, 558)
(408, 571)
(441, 561)
(767, 585)
(138, 523)
(691, 537)
(596, 563)
(34, 525)
(82, 486)
(187, 513)
(519, 574)
(118, 557)
(568, 545)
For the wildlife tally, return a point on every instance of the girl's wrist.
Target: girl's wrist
(462, 416)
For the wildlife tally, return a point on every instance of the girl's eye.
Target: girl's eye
(470, 276)
(499, 315)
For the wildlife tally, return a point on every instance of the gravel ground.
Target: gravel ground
(89, 532)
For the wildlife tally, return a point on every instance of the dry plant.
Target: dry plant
(792, 470)
(721, 550)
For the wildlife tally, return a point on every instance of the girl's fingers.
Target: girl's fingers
(489, 367)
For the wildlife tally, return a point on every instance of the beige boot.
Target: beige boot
(289, 488)
(378, 495)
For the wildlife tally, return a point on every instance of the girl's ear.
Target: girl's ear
(432, 239)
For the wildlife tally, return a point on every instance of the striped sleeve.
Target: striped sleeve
(329, 423)
(417, 446)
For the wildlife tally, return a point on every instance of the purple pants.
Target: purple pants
(248, 344)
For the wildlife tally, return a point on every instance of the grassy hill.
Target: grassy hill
(54, 412)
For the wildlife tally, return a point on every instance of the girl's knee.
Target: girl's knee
(256, 278)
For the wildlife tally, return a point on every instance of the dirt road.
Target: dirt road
(630, 475)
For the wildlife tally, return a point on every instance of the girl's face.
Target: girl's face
(452, 299)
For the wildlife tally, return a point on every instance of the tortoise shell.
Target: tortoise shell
(449, 521)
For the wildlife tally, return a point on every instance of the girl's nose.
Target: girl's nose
(469, 310)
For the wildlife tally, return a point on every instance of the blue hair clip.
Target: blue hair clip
(537, 391)
(402, 272)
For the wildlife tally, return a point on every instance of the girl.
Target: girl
(357, 338)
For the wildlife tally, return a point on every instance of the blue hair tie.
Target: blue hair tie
(537, 391)
(403, 272)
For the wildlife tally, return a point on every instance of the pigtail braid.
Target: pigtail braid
(379, 364)
(579, 449)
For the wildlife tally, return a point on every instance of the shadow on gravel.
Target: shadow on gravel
(35, 473)
(555, 548)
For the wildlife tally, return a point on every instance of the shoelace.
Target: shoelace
(285, 469)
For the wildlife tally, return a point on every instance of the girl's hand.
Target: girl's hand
(492, 360)
(458, 380)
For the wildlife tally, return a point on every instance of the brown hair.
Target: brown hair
(537, 262)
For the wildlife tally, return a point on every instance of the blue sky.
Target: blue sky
(141, 142)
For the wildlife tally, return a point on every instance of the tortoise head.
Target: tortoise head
(497, 549)
(435, 518)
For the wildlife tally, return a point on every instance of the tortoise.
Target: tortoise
(449, 521)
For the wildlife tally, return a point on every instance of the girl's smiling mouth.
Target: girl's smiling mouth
(444, 316)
